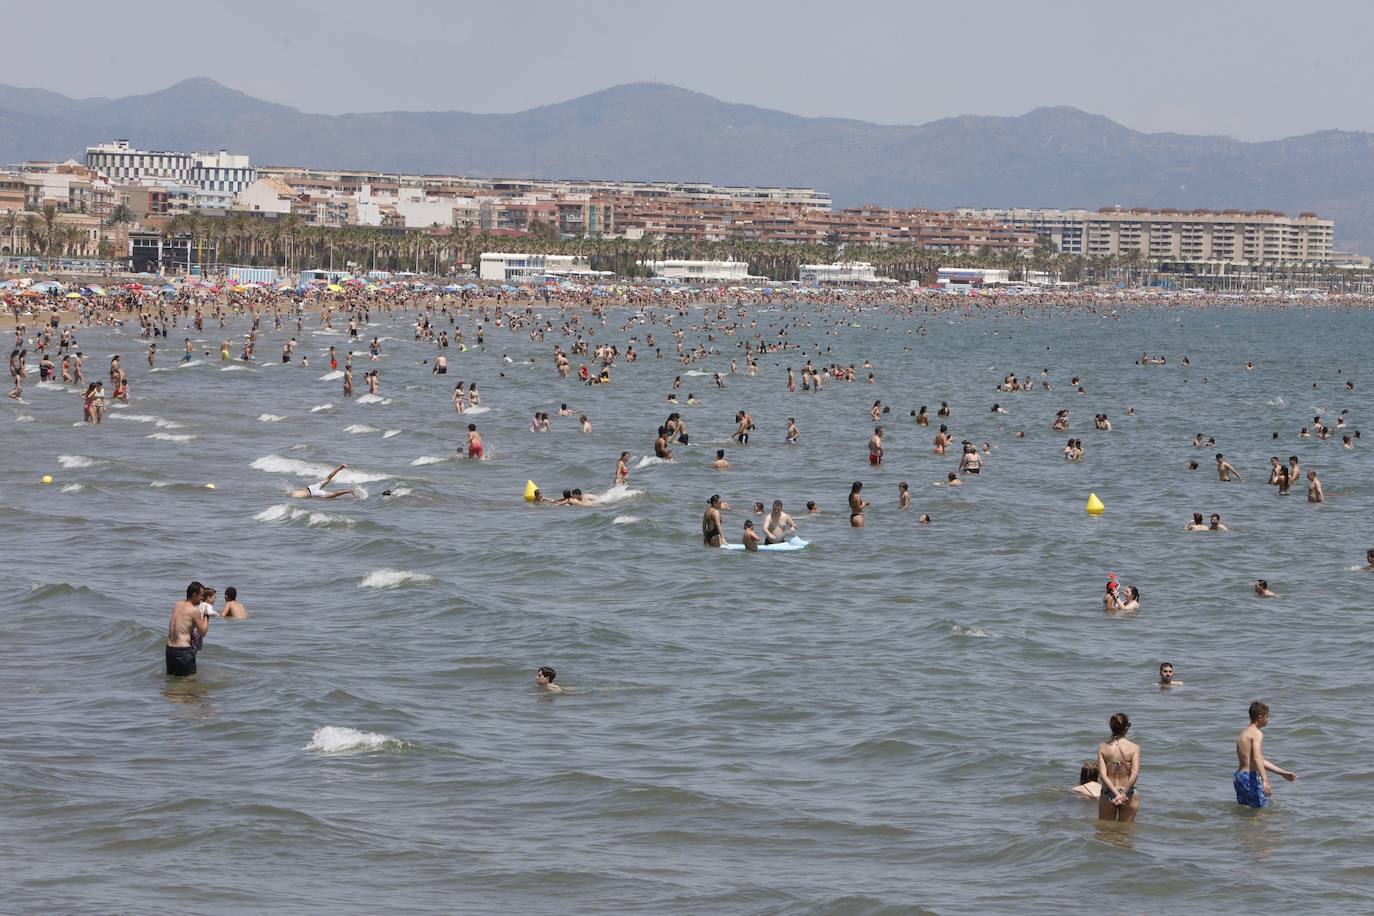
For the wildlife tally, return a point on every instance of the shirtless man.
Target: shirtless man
(1314, 488)
(233, 608)
(1214, 523)
(857, 505)
(544, 678)
(793, 434)
(185, 624)
(1225, 469)
(720, 464)
(1262, 589)
(778, 525)
(1196, 524)
(318, 491)
(1251, 779)
(1166, 676)
(712, 535)
(875, 446)
(1118, 768)
(661, 449)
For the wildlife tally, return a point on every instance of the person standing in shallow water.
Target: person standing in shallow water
(1251, 779)
(186, 624)
(1118, 767)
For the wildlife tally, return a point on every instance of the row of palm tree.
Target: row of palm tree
(40, 233)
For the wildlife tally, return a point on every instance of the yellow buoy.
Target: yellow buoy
(47, 478)
(209, 486)
(1094, 506)
(529, 491)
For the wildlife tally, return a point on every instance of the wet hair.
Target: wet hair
(547, 672)
(715, 498)
(1197, 518)
(195, 588)
(1135, 592)
(472, 427)
(748, 523)
(1258, 709)
(1119, 723)
(720, 453)
(1087, 773)
(810, 504)
(856, 486)
(1262, 583)
(1192, 465)
(231, 593)
(1163, 665)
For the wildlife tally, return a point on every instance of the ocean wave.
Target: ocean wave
(971, 631)
(373, 399)
(135, 417)
(312, 518)
(51, 386)
(649, 460)
(393, 578)
(617, 494)
(479, 409)
(75, 461)
(331, 376)
(171, 437)
(402, 491)
(339, 739)
(429, 459)
(358, 428)
(22, 418)
(234, 368)
(695, 372)
(276, 464)
(318, 407)
(391, 432)
(270, 418)
(72, 488)
(625, 519)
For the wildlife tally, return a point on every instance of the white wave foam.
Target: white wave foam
(270, 418)
(72, 488)
(695, 372)
(161, 484)
(358, 428)
(402, 491)
(75, 461)
(313, 518)
(331, 376)
(234, 368)
(169, 424)
(476, 410)
(317, 408)
(648, 460)
(22, 418)
(276, 464)
(373, 399)
(393, 578)
(188, 364)
(618, 494)
(391, 432)
(428, 459)
(625, 519)
(973, 631)
(136, 417)
(170, 437)
(51, 386)
(339, 739)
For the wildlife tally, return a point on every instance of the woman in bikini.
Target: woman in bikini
(1118, 768)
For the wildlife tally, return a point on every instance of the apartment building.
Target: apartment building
(1236, 237)
(213, 171)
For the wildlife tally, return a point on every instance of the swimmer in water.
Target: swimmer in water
(1118, 767)
(475, 449)
(1262, 589)
(1214, 523)
(186, 624)
(875, 446)
(1166, 676)
(903, 496)
(1314, 488)
(1088, 785)
(319, 491)
(1196, 524)
(1251, 779)
(544, 678)
(622, 470)
(750, 537)
(233, 608)
(856, 505)
(712, 535)
(1225, 469)
(720, 464)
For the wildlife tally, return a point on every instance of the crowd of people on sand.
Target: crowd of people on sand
(658, 327)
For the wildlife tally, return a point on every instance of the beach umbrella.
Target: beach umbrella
(96, 290)
(74, 295)
(284, 287)
(335, 288)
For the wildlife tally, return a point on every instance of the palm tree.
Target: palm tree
(33, 232)
(49, 216)
(11, 222)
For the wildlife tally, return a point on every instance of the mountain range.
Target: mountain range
(1050, 157)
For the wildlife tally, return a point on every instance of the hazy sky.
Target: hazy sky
(1255, 70)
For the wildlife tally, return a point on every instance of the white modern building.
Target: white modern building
(844, 272)
(507, 266)
(266, 195)
(701, 270)
(221, 171)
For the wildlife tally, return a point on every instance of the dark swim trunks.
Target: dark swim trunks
(1249, 787)
(181, 661)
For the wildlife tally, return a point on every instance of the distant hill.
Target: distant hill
(1058, 157)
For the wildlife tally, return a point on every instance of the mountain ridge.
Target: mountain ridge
(1052, 155)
